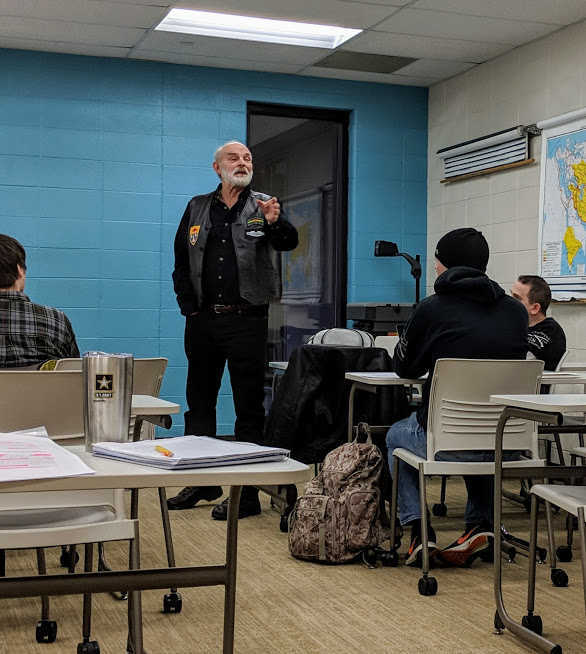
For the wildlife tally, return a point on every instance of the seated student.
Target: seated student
(546, 338)
(471, 317)
(29, 333)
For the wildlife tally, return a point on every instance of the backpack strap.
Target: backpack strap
(363, 433)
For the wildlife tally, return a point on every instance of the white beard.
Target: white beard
(235, 180)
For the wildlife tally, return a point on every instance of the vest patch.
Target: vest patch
(193, 234)
(255, 222)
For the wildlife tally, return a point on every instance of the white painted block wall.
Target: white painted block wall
(542, 79)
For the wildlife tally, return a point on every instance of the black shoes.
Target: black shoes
(191, 495)
(248, 507)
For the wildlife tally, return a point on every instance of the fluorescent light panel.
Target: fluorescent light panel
(247, 28)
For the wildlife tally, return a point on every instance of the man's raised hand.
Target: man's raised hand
(271, 209)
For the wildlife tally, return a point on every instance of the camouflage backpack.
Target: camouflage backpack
(338, 517)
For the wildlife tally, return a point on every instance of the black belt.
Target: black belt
(246, 309)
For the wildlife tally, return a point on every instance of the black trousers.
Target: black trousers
(211, 340)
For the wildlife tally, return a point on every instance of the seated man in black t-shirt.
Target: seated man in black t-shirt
(546, 338)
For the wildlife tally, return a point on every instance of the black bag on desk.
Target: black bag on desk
(338, 516)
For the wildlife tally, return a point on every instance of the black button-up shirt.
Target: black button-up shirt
(220, 268)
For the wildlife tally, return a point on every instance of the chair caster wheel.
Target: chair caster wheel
(533, 623)
(46, 631)
(65, 558)
(499, 625)
(559, 578)
(439, 510)
(564, 553)
(172, 603)
(89, 647)
(427, 586)
(284, 523)
(389, 559)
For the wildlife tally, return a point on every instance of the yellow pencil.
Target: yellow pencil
(163, 450)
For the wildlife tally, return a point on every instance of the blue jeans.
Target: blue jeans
(410, 435)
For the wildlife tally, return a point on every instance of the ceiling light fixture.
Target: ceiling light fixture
(248, 28)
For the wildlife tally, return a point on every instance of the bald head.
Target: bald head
(218, 153)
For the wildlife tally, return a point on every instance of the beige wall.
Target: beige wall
(543, 79)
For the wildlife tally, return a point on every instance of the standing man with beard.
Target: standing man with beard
(224, 277)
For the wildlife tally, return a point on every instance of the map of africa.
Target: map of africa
(563, 229)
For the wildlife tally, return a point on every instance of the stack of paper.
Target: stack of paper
(189, 452)
(24, 457)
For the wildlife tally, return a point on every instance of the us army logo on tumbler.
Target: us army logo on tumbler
(104, 388)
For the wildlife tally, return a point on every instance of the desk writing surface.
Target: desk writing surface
(563, 377)
(120, 474)
(382, 378)
(147, 405)
(278, 365)
(552, 403)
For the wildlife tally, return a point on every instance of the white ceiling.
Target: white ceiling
(446, 37)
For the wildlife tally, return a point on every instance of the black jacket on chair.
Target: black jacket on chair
(309, 414)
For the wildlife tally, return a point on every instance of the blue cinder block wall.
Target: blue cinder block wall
(98, 158)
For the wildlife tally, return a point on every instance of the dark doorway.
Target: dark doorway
(300, 155)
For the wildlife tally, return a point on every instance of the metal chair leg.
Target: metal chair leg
(88, 646)
(42, 569)
(394, 503)
(427, 585)
(532, 555)
(550, 536)
(135, 639)
(172, 601)
(46, 631)
(582, 528)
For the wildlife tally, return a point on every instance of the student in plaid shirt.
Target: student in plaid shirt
(29, 333)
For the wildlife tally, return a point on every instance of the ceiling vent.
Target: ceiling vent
(506, 149)
(364, 62)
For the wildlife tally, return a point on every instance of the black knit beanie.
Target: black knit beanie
(463, 247)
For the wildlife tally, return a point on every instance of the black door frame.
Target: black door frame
(341, 199)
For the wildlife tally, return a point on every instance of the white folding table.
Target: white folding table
(369, 382)
(119, 474)
(545, 409)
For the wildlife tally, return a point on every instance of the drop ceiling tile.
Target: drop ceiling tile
(544, 11)
(439, 68)
(388, 3)
(214, 62)
(447, 25)
(404, 80)
(60, 46)
(405, 45)
(330, 12)
(53, 30)
(192, 45)
(86, 11)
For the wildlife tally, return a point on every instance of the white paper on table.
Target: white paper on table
(189, 451)
(31, 457)
(31, 431)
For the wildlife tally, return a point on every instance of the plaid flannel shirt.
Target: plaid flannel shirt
(32, 333)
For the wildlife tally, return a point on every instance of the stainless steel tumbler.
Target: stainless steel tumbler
(107, 380)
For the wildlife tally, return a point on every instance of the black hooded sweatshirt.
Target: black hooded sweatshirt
(469, 317)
